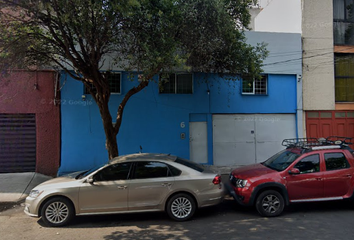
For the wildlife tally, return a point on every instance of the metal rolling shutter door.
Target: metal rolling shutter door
(17, 143)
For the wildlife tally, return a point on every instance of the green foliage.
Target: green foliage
(145, 35)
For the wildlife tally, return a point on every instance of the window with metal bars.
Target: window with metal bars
(114, 80)
(344, 77)
(176, 83)
(257, 86)
(343, 22)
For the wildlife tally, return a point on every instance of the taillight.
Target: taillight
(217, 179)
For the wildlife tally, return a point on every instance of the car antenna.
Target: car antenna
(141, 149)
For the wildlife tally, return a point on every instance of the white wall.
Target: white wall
(279, 16)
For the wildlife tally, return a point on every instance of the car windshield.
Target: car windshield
(281, 160)
(193, 165)
(88, 172)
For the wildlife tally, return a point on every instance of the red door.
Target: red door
(338, 175)
(309, 183)
(329, 123)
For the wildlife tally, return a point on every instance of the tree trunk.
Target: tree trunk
(121, 107)
(111, 136)
(111, 130)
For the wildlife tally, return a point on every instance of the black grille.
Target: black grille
(233, 180)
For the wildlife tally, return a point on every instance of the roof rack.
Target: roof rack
(317, 143)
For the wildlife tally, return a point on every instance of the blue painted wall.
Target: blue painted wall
(153, 120)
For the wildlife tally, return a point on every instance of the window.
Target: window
(344, 77)
(313, 114)
(335, 161)
(181, 83)
(114, 84)
(114, 172)
(309, 164)
(190, 164)
(174, 171)
(343, 20)
(281, 160)
(255, 86)
(151, 170)
(326, 114)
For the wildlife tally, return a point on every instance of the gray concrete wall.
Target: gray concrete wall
(284, 51)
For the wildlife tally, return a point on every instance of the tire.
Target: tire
(57, 212)
(270, 203)
(181, 207)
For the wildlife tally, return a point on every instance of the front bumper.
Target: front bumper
(230, 190)
(30, 208)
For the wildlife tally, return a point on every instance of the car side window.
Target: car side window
(309, 164)
(174, 171)
(119, 171)
(151, 170)
(335, 161)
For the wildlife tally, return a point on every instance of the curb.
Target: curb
(4, 206)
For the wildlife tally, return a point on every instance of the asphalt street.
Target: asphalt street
(333, 220)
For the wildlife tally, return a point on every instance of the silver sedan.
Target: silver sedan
(128, 184)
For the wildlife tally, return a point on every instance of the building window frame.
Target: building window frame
(170, 83)
(343, 22)
(255, 86)
(342, 74)
(114, 87)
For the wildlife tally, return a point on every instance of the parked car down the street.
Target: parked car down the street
(128, 184)
(308, 170)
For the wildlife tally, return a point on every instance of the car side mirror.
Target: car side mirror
(294, 171)
(90, 180)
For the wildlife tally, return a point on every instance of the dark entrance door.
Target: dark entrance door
(17, 143)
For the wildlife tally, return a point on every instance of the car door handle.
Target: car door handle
(318, 179)
(166, 184)
(349, 175)
(122, 187)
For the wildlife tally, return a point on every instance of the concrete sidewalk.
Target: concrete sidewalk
(14, 187)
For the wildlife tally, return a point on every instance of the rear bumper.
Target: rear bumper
(212, 198)
(212, 201)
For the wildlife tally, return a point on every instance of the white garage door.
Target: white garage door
(241, 139)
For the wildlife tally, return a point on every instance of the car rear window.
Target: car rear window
(190, 164)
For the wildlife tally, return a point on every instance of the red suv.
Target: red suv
(308, 170)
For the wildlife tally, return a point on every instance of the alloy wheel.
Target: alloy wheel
(181, 207)
(57, 212)
(270, 204)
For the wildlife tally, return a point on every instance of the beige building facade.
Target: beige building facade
(328, 60)
(318, 57)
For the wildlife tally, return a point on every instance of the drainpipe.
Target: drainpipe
(299, 107)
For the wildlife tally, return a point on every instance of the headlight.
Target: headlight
(241, 183)
(35, 193)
